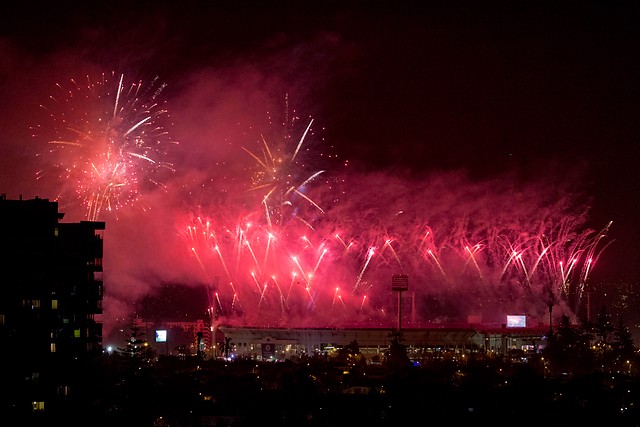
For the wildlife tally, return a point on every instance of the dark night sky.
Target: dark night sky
(535, 88)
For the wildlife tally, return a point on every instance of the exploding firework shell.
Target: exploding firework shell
(106, 142)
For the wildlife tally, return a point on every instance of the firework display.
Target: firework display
(261, 274)
(106, 140)
(468, 248)
(296, 241)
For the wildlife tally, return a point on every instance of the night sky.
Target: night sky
(535, 91)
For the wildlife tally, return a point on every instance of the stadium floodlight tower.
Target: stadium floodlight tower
(399, 283)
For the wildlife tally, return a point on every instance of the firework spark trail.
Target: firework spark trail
(109, 142)
(266, 251)
(224, 264)
(324, 252)
(295, 153)
(335, 295)
(253, 255)
(387, 244)
(471, 253)
(364, 299)
(262, 295)
(433, 256)
(344, 245)
(293, 280)
(313, 302)
(304, 196)
(283, 301)
(115, 105)
(234, 301)
(593, 251)
(199, 239)
(540, 257)
(216, 249)
(364, 267)
(218, 299)
(297, 263)
(204, 270)
(426, 239)
(255, 280)
(342, 301)
(514, 256)
(256, 265)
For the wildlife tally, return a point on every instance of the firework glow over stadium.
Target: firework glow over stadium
(469, 248)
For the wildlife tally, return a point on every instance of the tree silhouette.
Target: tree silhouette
(136, 353)
(623, 349)
(351, 355)
(569, 349)
(398, 361)
(603, 326)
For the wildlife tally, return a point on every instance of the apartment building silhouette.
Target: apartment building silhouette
(50, 299)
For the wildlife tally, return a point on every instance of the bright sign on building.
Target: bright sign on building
(516, 321)
(161, 335)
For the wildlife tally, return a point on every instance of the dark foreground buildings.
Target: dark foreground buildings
(50, 296)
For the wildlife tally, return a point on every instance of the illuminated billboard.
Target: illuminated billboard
(161, 335)
(516, 321)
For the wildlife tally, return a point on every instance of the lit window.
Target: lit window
(54, 304)
(53, 347)
(37, 406)
(76, 333)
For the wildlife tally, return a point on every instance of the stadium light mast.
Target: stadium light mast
(399, 283)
